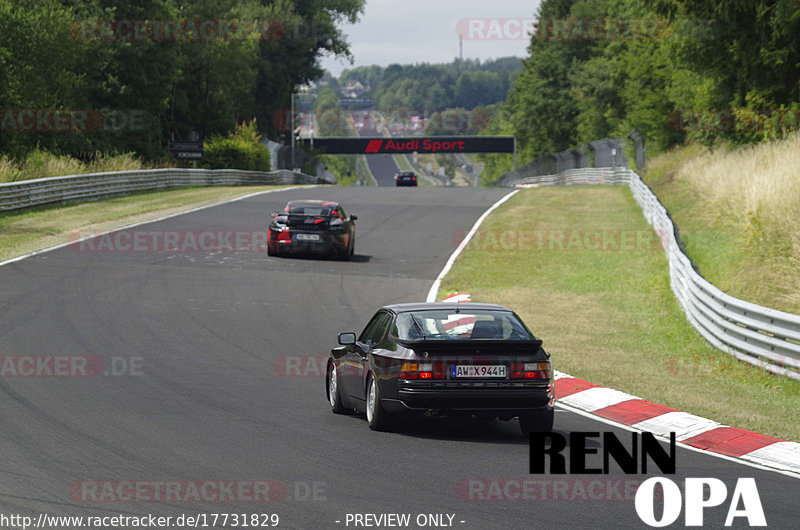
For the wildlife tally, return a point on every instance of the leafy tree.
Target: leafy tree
(240, 149)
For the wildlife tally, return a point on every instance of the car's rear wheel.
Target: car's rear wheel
(347, 253)
(377, 418)
(334, 393)
(537, 421)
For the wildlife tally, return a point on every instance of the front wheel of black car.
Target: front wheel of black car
(334, 393)
(377, 418)
(537, 421)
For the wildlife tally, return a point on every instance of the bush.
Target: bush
(240, 149)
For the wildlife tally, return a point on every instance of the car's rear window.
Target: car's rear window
(322, 211)
(464, 324)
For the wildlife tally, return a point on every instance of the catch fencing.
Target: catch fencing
(608, 152)
(755, 334)
(92, 186)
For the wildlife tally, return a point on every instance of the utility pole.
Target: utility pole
(292, 131)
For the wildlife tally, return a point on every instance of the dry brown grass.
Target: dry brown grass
(41, 164)
(739, 211)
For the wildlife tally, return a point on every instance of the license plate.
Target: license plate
(478, 371)
(306, 237)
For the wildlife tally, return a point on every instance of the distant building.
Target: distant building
(353, 89)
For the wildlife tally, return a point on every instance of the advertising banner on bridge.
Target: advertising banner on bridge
(413, 144)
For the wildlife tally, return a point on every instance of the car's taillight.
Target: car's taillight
(409, 371)
(530, 370)
(284, 235)
(425, 371)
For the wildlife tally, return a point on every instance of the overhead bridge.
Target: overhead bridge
(412, 144)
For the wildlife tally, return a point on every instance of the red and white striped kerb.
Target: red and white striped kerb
(697, 432)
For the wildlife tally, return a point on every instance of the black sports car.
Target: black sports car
(312, 227)
(406, 178)
(443, 358)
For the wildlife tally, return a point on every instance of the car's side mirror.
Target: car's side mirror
(347, 339)
(353, 217)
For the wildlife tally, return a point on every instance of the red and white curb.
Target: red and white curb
(699, 433)
(694, 431)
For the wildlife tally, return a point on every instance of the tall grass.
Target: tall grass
(41, 164)
(746, 203)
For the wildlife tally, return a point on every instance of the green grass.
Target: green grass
(605, 310)
(23, 232)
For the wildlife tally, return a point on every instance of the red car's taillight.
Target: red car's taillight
(284, 236)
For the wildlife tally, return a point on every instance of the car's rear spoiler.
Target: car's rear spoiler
(465, 343)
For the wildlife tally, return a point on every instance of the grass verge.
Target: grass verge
(32, 230)
(739, 216)
(588, 275)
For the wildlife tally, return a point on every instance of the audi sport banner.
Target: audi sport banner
(413, 144)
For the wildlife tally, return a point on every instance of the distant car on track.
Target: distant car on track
(406, 178)
(312, 227)
(448, 359)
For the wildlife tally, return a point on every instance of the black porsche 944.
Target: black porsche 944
(446, 359)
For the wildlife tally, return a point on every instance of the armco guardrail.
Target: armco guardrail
(758, 335)
(36, 192)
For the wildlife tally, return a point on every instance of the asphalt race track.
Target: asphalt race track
(214, 375)
(383, 167)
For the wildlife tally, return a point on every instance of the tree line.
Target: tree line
(676, 70)
(89, 76)
(466, 84)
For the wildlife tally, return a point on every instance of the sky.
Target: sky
(416, 31)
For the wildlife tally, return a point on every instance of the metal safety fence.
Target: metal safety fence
(755, 334)
(37, 192)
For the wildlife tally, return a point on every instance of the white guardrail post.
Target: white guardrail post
(755, 334)
(37, 192)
